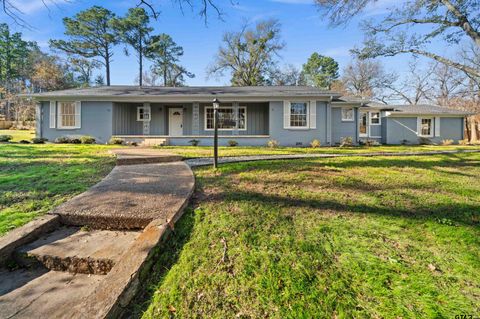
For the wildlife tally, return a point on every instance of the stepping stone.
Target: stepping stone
(27, 293)
(77, 251)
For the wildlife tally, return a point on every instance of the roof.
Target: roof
(350, 99)
(126, 91)
(424, 109)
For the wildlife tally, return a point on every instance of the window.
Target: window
(143, 113)
(298, 114)
(374, 118)
(347, 114)
(68, 115)
(426, 127)
(226, 118)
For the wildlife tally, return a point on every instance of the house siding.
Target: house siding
(297, 137)
(96, 121)
(341, 129)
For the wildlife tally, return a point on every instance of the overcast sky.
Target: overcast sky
(303, 30)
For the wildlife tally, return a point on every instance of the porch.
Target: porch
(178, 123)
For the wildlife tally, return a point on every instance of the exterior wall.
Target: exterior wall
(297, 137)
(222, 141)
(96, 121)
(341, 128)
(405, 128)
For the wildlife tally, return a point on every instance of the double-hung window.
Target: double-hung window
(143, 113)
(226, 118)
(347, 114)
(68, 115)
(375, 118)
(298, 114)
(426, 127)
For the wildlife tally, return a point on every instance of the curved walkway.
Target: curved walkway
(194, 162)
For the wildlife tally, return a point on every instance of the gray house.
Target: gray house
(291, 115)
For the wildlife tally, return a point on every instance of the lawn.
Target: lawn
(207, 151)
(36, 178)
(19, 135)
(384, 237)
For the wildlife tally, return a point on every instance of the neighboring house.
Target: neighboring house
(292, 115)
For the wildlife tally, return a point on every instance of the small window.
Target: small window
(375, 118)
(298, 114)
(143, 113)
(226, 118)
(67, 116)
(347, 114)
(426, 127)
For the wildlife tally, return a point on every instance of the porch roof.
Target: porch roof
(194, 93)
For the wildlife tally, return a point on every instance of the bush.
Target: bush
(232, 143)
(194, 142)
(346, 141)
(369, 142)
(24, 142)
(273, 144)
(87, 139)
(39, 140)
(315, 143)
(115, 141)
(75, 140)
(63, 140)
(463, 142)
(424, 141)
(5, 138)
(405, 142)
(447, 142)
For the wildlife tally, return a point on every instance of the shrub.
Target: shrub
(405, 142)
(273, 144)
(194, 142)
(39, 140)
(424, 141)
(132, 143)
(232, 143)
(369, 142)
(463, 142)
(24, 142)
(87, 139)
(63, 140)
(346, 141)
(447, 142)
(115, 141)
(75, 140)
(315, 143)
(5, 138)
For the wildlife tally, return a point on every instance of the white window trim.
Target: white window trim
(307, 126)
(76, 105)
(144, 107)
(224, 129)
(419, 126)
(379, 118)
(353, 115)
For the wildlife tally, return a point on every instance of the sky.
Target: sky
(304, 30)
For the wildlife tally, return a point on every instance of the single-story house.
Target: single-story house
(291, 115)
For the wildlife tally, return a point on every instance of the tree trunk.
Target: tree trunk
(107, 66)
(140, 60)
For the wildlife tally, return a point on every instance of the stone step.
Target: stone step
(40, 293)
(77, 251)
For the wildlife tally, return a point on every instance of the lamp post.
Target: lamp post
(216, 105)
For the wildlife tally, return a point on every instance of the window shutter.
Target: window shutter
(313, 114)
(53, 115)
(286, 114)
(437, 126)
(78, 114)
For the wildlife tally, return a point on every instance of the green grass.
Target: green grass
(36, 178)
(19, 135)
(207, 151)
(394, 237)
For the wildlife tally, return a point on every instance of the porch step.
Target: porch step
(77, 251)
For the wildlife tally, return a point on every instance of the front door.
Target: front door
(363, 129)
(175, 122)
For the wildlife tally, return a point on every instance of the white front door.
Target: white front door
(175, 122)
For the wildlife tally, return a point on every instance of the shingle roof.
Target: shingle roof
(157, 91)
(418, 109)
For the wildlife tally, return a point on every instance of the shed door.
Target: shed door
(175, 123)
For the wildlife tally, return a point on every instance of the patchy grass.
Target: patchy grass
(19, 135)
(207, 151)
(36, 178)
(384, 237)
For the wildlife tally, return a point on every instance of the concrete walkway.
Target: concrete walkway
(65, 271)
(194, 162)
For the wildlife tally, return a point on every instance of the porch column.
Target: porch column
(196, 118)
(236, 117)
(146, 124)
(329, 123)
